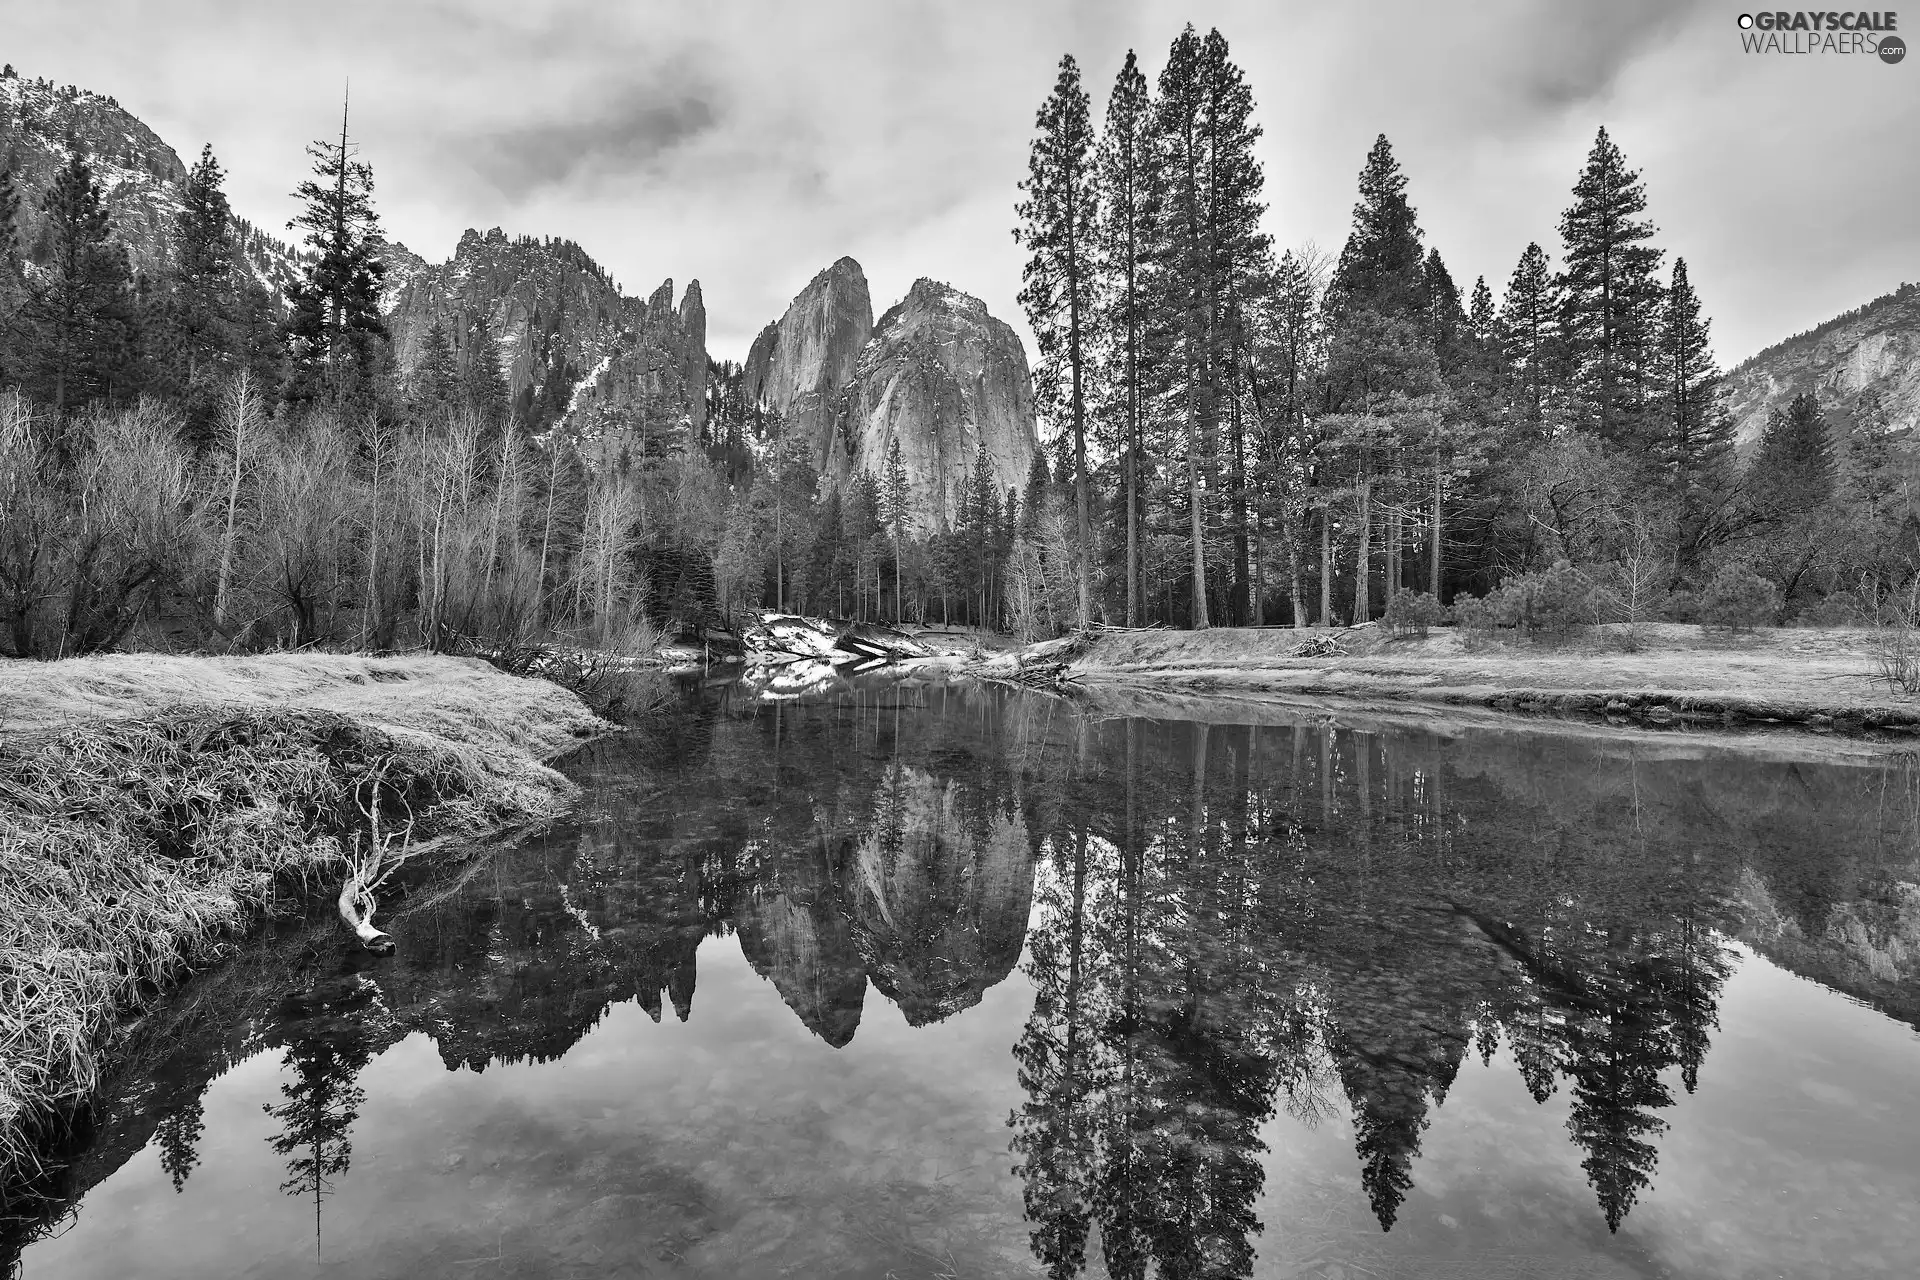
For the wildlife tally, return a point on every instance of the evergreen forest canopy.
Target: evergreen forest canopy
(1241, 434)
(1255, 435)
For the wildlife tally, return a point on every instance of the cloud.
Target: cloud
(633, 134)
(751, 143)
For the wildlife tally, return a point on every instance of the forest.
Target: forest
(1234, 433)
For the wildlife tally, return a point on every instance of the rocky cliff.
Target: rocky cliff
(947, 381)
(1863, 366)
(938, 374)
(568, 338)
(938, 903)
(140, 176)
(799, 364)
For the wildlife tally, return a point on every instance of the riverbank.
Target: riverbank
(1822, 679)
(153, 808)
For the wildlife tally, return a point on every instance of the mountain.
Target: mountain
(799, 364)
(572, 345)
(1864, 366)
(947, 381)
(619, 374)
(938, 374)
(141, 176)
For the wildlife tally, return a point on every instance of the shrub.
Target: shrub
(1473, 613)
(1738, 599)
(1553, 600)
(1896, 641)
(1411, 613)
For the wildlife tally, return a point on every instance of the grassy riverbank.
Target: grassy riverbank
(153, 808)
(1809, 677)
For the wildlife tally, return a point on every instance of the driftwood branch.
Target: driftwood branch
(371, 863)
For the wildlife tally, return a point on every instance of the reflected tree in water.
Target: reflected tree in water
(1236, 923)
(321, 1099)
(178, 1138)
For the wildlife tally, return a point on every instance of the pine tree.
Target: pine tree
(1529, 327)
(1381, 269)
(1793, 471)
(79, 312)
(1380, 365)
(483, 387)
(1035, 498)
(336, 303)
(1446, 319)
(1057, 227)
(1205, 256)
(1697, 434)
(1610, 300)
(1480, 313)
(1292, 312)
(198, 334)
(1124, 183)
(1242, 262)
(435, 379)
(895, 503)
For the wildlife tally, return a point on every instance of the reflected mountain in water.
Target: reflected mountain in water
(1230, 922)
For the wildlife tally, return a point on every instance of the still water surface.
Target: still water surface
(925, 981)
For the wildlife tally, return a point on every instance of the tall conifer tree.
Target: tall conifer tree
(336, 305)
(1057, 227)
(1124, 180)
(1610, 300)
(1529, 325)
(1697, 434)
(200, 335)
(1206, 254)
(1380, 355)
(1241, 263)
(483, 387)
(79, 311)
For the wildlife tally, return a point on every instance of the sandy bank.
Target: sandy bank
(1822, 679)
(153, 809)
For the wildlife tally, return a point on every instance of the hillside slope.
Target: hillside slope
(1864, 366)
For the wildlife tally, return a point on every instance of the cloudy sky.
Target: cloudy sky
(748, 143)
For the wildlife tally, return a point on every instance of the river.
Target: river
(915, 979)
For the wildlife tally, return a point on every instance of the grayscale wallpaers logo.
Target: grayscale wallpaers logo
(1829, 32)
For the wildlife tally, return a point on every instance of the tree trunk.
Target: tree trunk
(1258, 613)
(1326, 565)
(1293, 574)
(1195, 523)
(1363, 550)
(1394, 534)
(1434, 534)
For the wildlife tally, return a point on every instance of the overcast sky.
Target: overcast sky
(748, 144)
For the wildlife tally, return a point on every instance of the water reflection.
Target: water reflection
(1221, 923)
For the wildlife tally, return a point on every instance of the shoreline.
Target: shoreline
(1812, 681)
(156, 810)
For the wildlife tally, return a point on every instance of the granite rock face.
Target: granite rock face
(799, 364)
(947, 381)
(140, 176)
(572, 345)
(1863, 367)
(938, 374)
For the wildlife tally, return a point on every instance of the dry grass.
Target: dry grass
(151, 809)
(1799, 670)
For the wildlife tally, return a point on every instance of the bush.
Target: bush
(1411, 613)
(1554, 601)
(1896, 641)
(1738, 599)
